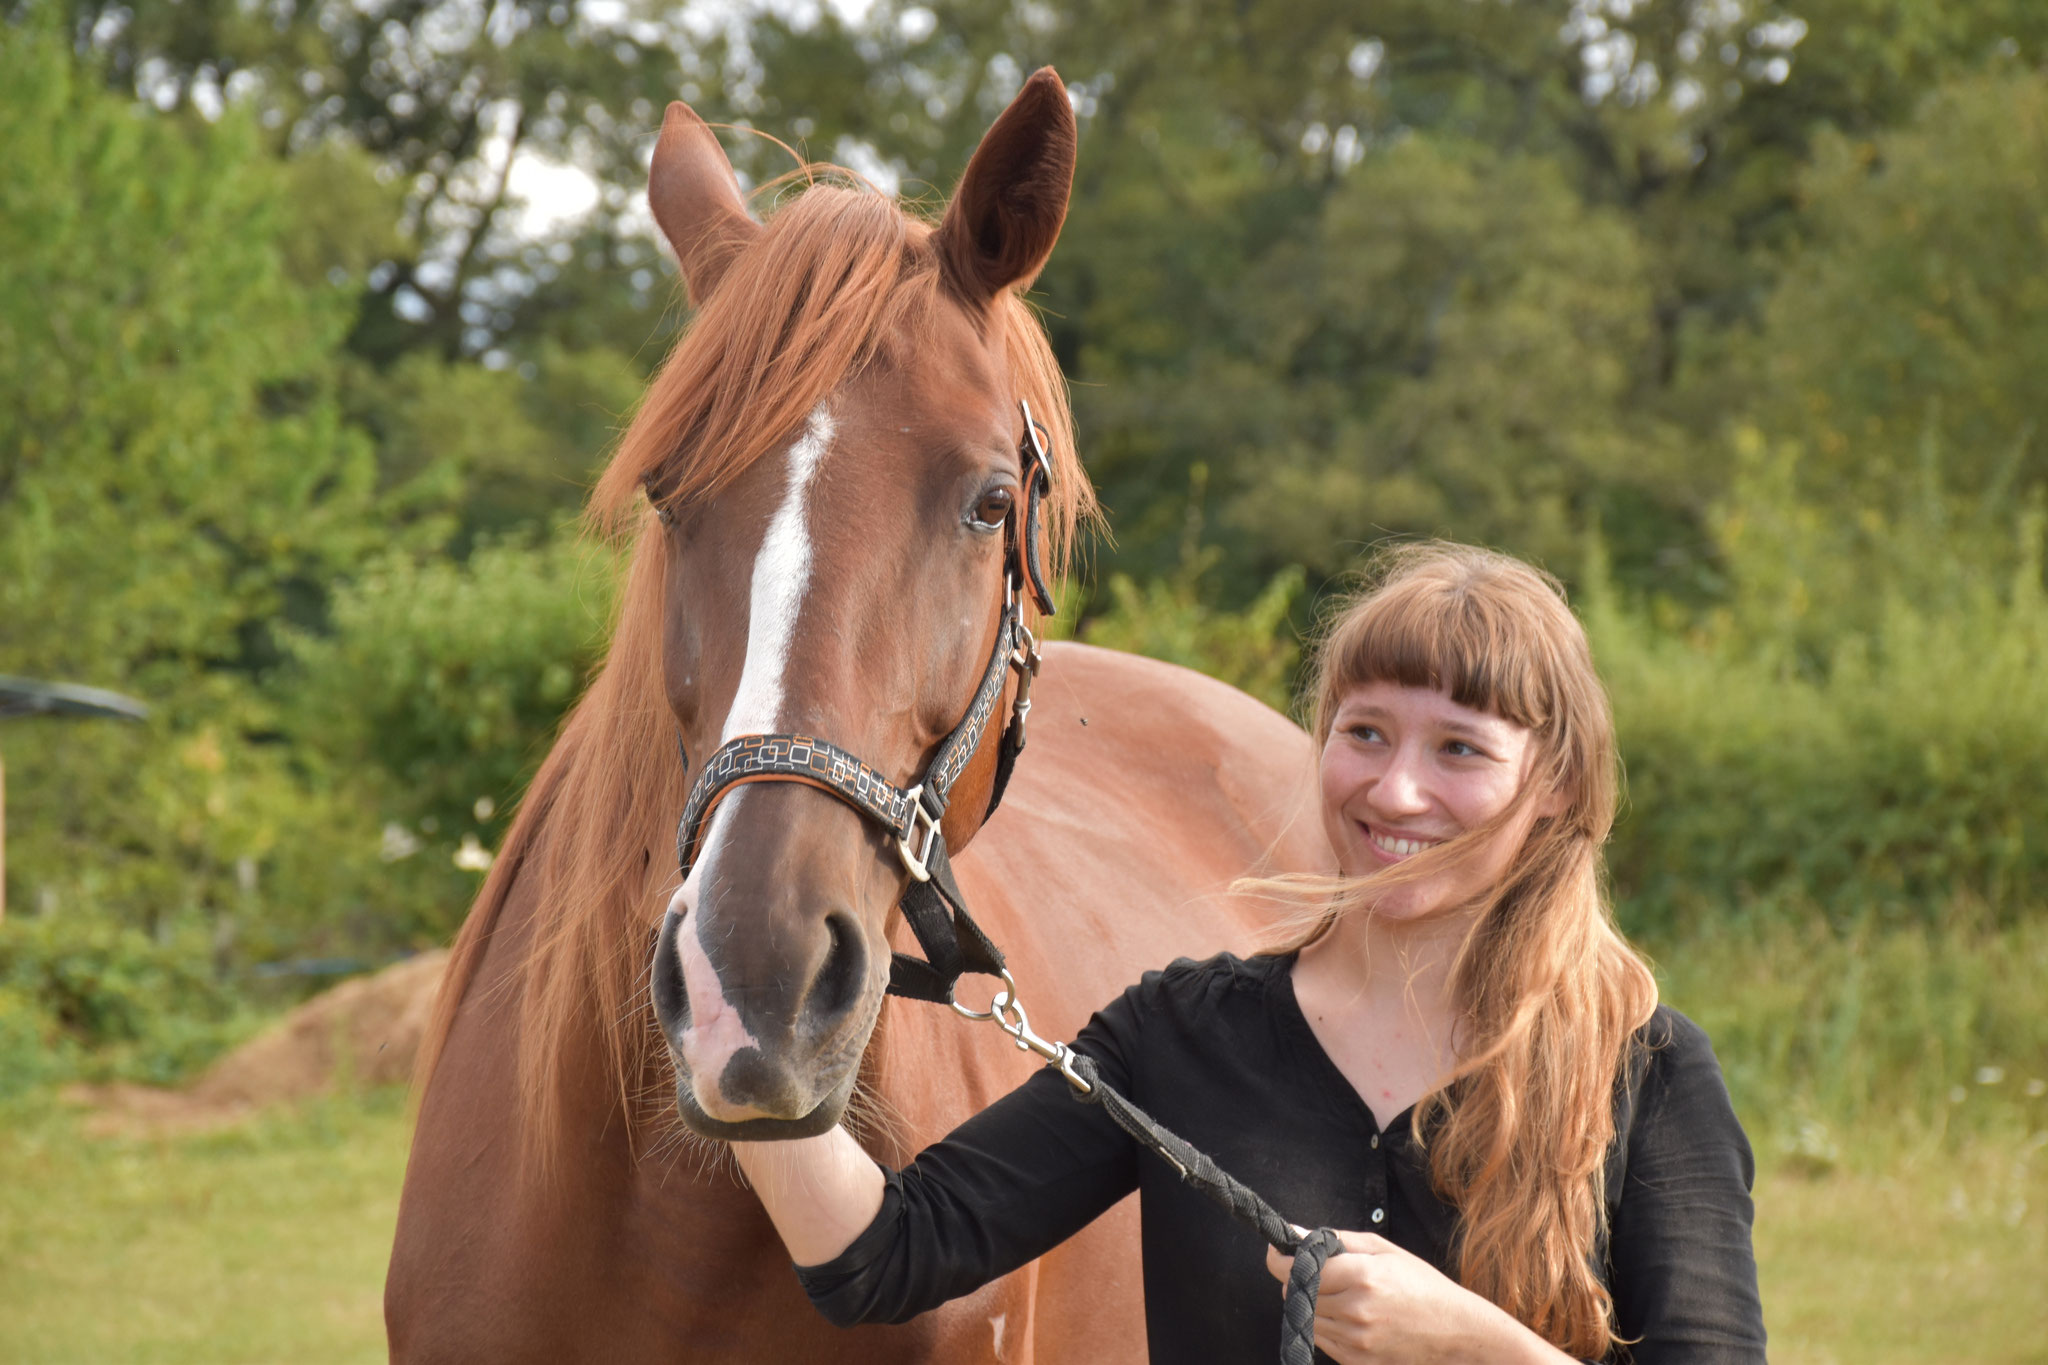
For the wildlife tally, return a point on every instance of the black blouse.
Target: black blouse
(1220, 1053)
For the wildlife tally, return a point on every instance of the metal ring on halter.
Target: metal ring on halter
(1024, 655)
(1007, 1012)
(1006, 996)
(917, 861)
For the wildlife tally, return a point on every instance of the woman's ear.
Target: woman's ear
(696, 201)
(1006, 215)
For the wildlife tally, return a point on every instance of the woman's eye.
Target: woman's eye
(993, 509)
(1365, 734)
(1458, 748)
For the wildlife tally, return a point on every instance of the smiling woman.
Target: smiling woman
(1465, 966)
(1455, 1054)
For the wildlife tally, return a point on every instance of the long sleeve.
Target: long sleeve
(1006, 1186)
(1682, 1269)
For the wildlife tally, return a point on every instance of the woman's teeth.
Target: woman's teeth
(1401, 848)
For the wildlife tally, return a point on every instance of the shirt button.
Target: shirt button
(1379, 1215)
(1375, 1142)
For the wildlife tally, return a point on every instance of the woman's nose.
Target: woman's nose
(1399, 790)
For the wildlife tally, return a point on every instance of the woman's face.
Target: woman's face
(1406, 768)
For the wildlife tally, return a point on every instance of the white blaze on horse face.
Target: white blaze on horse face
(782, 573)
(715, 1031)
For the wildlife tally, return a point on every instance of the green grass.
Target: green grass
(1885, 1078)
(268, 1245)
(1905, 1257)
(263, 1244)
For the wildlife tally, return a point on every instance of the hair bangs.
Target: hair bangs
(1476, 627)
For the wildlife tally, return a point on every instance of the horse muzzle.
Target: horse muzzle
(784, 1070)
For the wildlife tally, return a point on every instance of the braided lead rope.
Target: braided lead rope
(1196, 1167)
(1199, 1169)
(1304, 1281)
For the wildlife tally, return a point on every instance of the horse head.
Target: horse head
(838, 451)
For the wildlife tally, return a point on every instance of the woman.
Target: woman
(1458, 1057)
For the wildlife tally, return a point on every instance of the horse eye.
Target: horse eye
(993, 509)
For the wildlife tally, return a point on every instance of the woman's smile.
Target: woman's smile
(1393, 847)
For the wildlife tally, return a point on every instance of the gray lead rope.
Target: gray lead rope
(1197, 1168)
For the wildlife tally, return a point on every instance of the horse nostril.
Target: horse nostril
(671, 998)
(842, 977)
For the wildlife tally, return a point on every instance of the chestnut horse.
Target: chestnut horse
(829, 458)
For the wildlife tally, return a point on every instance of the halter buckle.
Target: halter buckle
(1036, 444)
(1025, 658)
(918, 860)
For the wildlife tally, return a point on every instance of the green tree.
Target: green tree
(175, 475)
(1648, 156)
(441, 98)
(176, 481)
(1903, 348)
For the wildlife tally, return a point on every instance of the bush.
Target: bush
(435, 697)
(1172, 618)
(78, 992)
(1862, 773)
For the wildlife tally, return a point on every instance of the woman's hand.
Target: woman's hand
(1379, 1305)
(820, 1192)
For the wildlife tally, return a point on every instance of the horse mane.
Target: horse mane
(838, 274)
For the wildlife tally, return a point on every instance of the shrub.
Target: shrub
(78, 987)
(434, 698)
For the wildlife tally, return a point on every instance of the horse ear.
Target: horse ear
(696, 200)
(1006, 215)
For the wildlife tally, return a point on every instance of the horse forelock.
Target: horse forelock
(837, 278)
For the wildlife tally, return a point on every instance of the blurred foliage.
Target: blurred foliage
(79, 995)
(1492, 272)
(1171, 619)
(174, 472)
(1175, 617)
(1919, 1032)
(439, 98)
(1728, 312)
(1872, 783)
(438, 686)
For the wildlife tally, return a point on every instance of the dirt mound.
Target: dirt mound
(364, 1032)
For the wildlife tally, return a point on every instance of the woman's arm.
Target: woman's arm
(820, 1192)
(877, 1245)
(1680, 1261)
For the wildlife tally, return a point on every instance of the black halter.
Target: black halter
(937, 911)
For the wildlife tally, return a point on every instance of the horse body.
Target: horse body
(832, 454)
(1109, 856)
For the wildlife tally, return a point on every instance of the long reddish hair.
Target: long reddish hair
(1548, 993)
(839, 277)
